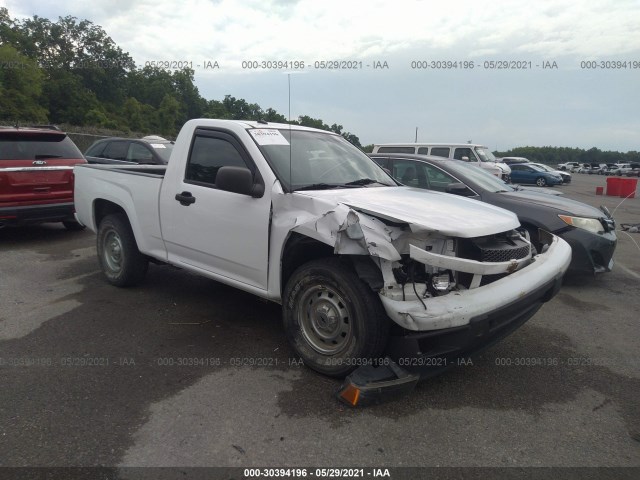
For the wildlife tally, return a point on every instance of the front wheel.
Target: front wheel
(541, 182)
(118, 254)
(332, 319)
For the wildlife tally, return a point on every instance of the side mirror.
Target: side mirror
(465, 159)
(458, 188)
(238, 180)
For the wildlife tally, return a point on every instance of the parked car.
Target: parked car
(514, 160)
(301, 217)
(568, 166)
(527, 173)
(468, 152)
(621, 168)
(608, 169)
(36, 176)
(589, 231)
(150, 150)
(566, 176)
(597, 168)
(633, 170)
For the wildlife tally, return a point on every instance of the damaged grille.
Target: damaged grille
(501, 249)
(494, 248)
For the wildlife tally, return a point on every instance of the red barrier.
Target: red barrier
(613, 186)
(628, 187)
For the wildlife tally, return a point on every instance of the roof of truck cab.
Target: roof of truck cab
(248, 124)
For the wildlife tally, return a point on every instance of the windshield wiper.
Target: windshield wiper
(365, 181)
(318, 186)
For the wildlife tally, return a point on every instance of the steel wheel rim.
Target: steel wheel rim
(325, 320)
(112, 251)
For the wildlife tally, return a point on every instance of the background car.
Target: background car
(513, 160)
(566, 176)
(36, 176)
(568, 166)
(633, 170)
(150, 150)
(528, 173)
(589, 231)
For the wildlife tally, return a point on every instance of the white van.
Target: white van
(468, 152)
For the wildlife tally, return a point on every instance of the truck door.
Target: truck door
(219, 232)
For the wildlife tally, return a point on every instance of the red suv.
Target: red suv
(36, 176)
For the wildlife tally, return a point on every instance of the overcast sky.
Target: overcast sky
(501, 108)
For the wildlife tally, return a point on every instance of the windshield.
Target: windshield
(485, 155)
(546, 168)
(479, 176)
(303, 159)
(164, 150)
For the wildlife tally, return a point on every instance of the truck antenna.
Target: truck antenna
(290, 136)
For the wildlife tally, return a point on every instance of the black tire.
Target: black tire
(541, 182)
(73, 226)
(118, 254)
(332, 319)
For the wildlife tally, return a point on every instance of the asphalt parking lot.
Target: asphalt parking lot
(183, 371)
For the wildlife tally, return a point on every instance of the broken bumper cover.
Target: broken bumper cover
(458, 308)
(416, 355)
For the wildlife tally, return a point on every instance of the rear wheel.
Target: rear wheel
(332, 319)
(118, 254)
(541, 182)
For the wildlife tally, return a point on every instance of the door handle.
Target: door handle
(185, 198)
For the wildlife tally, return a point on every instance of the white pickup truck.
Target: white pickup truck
(364, 268)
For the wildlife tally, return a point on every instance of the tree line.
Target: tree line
(71, 72)
(555, 155)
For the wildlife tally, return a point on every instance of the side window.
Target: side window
(438, 180)
(208, 154)
(116, 150)
(96, 150)
(515, 168)
(463, 152)
(139, 153)
(383, 162)
(410, 173)
(396, 150)
(440, 151)
(423, 151)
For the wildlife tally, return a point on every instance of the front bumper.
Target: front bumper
(414, 356)
(30, 214)
(458, 308)
(592, 253)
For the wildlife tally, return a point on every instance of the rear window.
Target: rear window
(29, 146)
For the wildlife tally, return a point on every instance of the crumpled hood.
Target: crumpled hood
(422, 209)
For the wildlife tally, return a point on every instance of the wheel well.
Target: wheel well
(102, 208)
(298, 250)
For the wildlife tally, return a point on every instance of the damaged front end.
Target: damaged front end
(451, 289)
